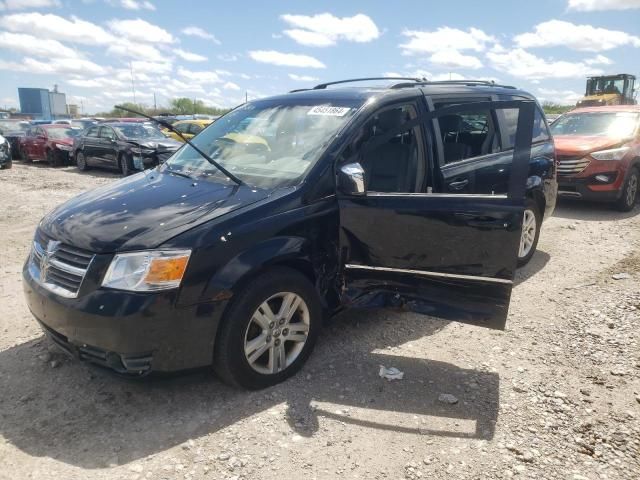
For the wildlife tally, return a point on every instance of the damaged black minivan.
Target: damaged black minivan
(289, 209)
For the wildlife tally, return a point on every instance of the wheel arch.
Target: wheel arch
(535, 192)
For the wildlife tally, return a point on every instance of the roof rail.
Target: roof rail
(323, 86)
(451, 82)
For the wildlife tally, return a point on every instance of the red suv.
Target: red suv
(48, 142)
(598, 151)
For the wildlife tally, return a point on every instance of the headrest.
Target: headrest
(390, 119)
(450, 123)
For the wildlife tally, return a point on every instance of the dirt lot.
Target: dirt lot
(557, 395)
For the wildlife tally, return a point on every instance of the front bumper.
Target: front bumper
(588, 189)
(132, 333)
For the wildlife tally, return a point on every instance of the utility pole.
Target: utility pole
(155, 105)
(195, 106)
(133, 85)
(246, 96)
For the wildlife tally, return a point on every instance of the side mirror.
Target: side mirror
(351, 179)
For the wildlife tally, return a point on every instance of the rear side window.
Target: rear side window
(183, 127)
(92, 132)
(510, 124)
(195, 129)
(467, 134)
(107, 133)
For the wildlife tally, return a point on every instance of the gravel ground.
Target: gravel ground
(555, 396)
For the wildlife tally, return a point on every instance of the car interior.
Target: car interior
(395, 165)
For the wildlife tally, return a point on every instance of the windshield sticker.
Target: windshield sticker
(329, 111)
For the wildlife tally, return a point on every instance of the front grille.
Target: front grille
(571, 165)
(58, 267)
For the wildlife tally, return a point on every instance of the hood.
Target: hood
(583, 144)
(143, 211)
(157, 144)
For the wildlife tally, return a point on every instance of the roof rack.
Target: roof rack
(323, 86)
(451, 82)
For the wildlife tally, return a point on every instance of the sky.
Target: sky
(102, 52)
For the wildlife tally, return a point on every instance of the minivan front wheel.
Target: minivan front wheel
(531, 221)
(268, 331)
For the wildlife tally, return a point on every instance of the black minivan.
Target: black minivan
(412, 195)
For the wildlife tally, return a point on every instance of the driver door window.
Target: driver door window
(392, 162)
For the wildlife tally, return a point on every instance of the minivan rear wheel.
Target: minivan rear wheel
(629, 195)
(269, 330)
(126, 165)
(531, 222)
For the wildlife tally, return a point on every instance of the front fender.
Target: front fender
(227, 280)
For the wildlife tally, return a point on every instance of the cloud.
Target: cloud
(584, 38)
(55, 66)
(153, 68)
(30, 45)
(599, 60)
(125, 48)
(193, 31)
(325, 29)
(227, 57)
(53, 27)
(595, 5)
(24, 4)
(140, 31)
(189, 56)
(455, 59)
(231, 86)
(200, 76)
(444, 38)
(285, 59)
(303, 78)
(522, 64)
(136, 4)
(563, 97)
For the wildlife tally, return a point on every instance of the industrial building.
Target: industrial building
(41, 104)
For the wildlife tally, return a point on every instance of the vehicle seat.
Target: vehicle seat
(387, 166)
(454, 149)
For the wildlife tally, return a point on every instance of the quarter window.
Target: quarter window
(540, 131)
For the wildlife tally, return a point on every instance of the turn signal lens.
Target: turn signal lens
(147, 271)
(164, 270)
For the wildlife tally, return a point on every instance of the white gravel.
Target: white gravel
(555, 396)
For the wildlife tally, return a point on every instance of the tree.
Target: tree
(550, 107)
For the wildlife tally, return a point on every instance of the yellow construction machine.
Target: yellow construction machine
(609, 90)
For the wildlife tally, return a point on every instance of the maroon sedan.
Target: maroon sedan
(48, 142)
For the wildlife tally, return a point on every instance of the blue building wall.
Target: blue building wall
(35, 102)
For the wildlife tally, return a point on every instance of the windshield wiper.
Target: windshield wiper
(187, 141)
(179, 173)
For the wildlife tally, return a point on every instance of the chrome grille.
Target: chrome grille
(58, 267)
(572, 165)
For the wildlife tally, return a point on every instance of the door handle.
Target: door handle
(459, 184)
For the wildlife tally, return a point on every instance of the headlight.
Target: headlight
(147, 271)
(61, 146)
(141, 151)
(612, 154)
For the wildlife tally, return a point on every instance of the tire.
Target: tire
(81, 161)
(53, 159)
(24, 156)
(7, 165)
(246, 321)
(629, 195)
(125, 165)
(531, 224)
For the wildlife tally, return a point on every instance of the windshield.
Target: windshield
(13, 126)
(611, 124)
(137, 131)
(60, 133)
(266, 144)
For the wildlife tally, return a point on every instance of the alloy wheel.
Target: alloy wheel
(528, 237)
(277, 333)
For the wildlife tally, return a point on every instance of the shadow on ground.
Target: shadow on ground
(89, 418)
(536, 264)
(591, 211)
(71, 168)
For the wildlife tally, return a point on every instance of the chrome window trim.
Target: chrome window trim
(439, 195)
(430, 274)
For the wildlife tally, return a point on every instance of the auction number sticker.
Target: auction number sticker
(328, 111)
